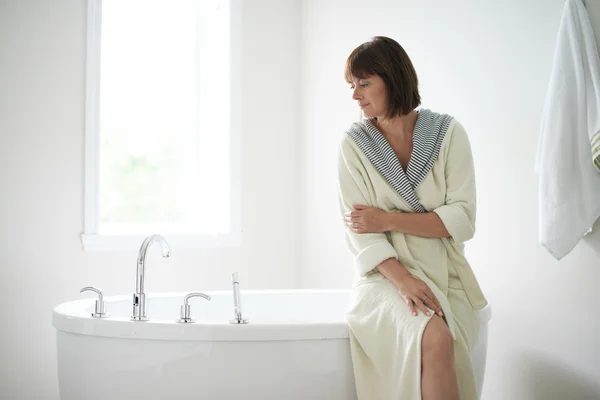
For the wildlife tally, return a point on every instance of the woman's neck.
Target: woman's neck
(398, 128)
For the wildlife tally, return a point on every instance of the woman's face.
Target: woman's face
(371, 95)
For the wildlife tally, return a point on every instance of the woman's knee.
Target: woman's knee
(437, 341)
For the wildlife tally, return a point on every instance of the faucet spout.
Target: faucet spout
(139, 297)
(141, 259)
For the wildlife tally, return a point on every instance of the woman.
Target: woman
(407, 192)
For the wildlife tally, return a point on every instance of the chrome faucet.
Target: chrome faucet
(139, 297)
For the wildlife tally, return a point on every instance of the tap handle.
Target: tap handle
(99, 310)
(185, 307)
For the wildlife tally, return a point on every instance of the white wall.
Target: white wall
(487, 63)
(42, 52)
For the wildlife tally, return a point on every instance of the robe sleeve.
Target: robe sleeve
(458, 212)
(369, 249)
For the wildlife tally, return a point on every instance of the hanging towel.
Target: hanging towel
(569, 178)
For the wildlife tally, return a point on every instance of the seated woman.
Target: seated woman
(407, 194)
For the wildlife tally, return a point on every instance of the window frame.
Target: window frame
(91, 240)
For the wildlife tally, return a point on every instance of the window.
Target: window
(162, 152)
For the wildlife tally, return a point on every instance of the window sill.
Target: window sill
(93, 242)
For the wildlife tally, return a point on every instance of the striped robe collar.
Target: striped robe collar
(428, 136)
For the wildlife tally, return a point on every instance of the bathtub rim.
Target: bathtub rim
(72, 317)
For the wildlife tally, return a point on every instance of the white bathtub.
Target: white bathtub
(295, 347)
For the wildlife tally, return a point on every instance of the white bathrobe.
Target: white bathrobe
(569, 144)
(385, 337)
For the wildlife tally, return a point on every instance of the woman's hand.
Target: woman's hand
(416, 293)
(365, 219)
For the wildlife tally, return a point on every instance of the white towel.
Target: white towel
(569, 184)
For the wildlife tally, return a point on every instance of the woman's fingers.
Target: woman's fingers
(418, 295)
(353, 222)
(432, 302)
(415, 303)
(424, 303)
(350, 221)
(349, 218)
(356, 228)
(411, 305)
(421, 306)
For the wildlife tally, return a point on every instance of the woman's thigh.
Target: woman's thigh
(378, 311)
(466, 318)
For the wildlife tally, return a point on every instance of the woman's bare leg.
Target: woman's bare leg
(438, 372)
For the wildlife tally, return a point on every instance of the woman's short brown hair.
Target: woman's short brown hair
(385, 57)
